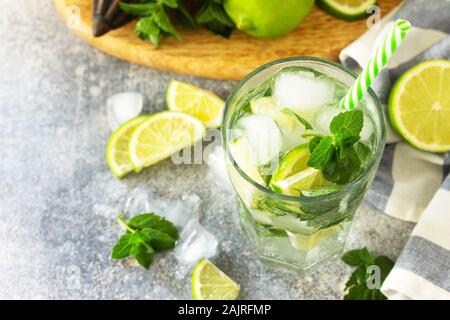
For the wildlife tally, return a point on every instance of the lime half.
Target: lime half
(117, 155)
(161, 135)
(419, 106)
(210, 283)
(197, 102)
(347, 9)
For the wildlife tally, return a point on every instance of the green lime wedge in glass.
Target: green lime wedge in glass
(117, 155)
(347, 9)
(210, 283)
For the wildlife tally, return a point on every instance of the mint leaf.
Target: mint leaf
(159, 240)
(123, 246)
(153, 221)
(347, 123)
(300, 119)
(184, 17)
(138, 9)
(164, 23)
(170, 3)
(312, 144)
(357, 286)
(321, 155)
(145, 234)
(358, 257)
(213, 15)
(147, 29)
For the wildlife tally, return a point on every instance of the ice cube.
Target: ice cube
(367, 130)
(138, 201)
(263, 136)
(195, 243)
(217, 167)
(302, 93)
(324, 117)
(179, 212)
(122, 107)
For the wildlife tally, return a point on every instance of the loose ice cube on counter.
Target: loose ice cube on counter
(217, 167)
(302, 93)
(263, 136)
(122, 107)
(195, 243)
(138, 201)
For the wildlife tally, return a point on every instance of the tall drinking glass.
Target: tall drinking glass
(298, 232)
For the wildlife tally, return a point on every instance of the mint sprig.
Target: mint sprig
(357, 286)
(146, 234)
(154, 22)
(213, 16)
(340, 156)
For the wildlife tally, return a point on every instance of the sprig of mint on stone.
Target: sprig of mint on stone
(341, 156)
(146, 234)
(357, 287)
(154, 22)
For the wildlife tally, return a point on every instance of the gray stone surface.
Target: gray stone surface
(56, 228)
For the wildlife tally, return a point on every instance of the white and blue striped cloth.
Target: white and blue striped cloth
(410, 184)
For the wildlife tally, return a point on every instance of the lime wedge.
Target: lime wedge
(292, 174)
(240, 149)
(266, 106)
(419, 106)
(210, 283)
(117, 155)
(310, 178)
(161, 135)
(199, 103)
(347, 9)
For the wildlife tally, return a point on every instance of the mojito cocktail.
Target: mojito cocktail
(300, 166)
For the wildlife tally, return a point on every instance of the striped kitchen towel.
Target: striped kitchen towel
(407, 178)
(410, 184)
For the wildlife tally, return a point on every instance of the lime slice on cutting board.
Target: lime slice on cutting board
(197, 102)
(210, 283)
(419, 106)
(117, 155)
(347, 9)
(161, 135)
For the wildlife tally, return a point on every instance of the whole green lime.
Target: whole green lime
(267, 18)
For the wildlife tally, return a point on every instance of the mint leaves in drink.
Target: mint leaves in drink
(357, 287)
(146, 234)
(340, 156)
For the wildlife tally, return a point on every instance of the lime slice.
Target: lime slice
(419, 106)
(310, 178)
(161, 135)
(294, 161)
(197, 102)
(293, 174)
(117, 155)
(240, 149)
(347, 9)
(308, 242)
(210, 283)
(266, 106)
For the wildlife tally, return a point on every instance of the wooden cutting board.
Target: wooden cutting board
(201, 53)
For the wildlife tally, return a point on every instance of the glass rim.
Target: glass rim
(335, 194)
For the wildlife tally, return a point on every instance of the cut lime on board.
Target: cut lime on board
(347, 9)
(199, 103)
(293, 175)
(117, 155)
(210, 283)
(419, 106)
(161, 135)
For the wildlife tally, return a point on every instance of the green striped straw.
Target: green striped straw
(377, 61)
